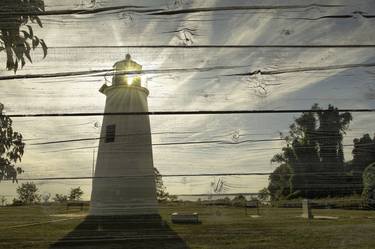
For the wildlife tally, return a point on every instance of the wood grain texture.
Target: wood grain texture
(197, 55)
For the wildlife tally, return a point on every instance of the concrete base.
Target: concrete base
(321, 217)
(306, 209)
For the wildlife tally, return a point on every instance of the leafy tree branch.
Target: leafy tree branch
(17, 38)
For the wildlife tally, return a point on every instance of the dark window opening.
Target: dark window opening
(110, 134)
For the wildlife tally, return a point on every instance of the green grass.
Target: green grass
(222, 227)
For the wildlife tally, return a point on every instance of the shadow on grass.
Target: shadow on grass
(122, 232)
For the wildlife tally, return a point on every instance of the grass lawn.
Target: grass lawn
(222, 227)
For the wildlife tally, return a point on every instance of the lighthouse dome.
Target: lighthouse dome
(127, 72)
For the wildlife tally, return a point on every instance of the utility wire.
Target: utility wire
(302, 69)
(171, 113)
(158, 11)
(319, 134)
(218, 142)
(99, 138)
(217, 46)
(248, 7)
(110, 72)
(171, 143)
(333, 173)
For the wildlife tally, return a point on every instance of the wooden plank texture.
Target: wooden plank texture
(306, 63)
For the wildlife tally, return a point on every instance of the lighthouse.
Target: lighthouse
(123, 209)
(124, 182)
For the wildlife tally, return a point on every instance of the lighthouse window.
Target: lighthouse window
(110, 134)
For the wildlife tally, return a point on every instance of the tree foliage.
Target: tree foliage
(363, 153)
(314, 154)
(161, 191)
(11, 148)
(17, 36)
(28, 193)
(264, 194)
(369, 186)
(279, 182)
(239, 201)
(3, 200)
(75, 194)
(60, 198)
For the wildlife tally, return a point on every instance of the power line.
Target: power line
(219, 142)
(171, 143)
(110, 72)
(157, 11)
(134, 146)
(6, 12)
(171, 113)
(87, 167)
(303, 69)
(353, 134)
(333, 173)
(248, 7)
(319, 134)
(218, 46)
(99, 138)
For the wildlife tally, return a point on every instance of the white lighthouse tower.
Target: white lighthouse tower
(124, 182)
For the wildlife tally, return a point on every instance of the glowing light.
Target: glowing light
(127, 72)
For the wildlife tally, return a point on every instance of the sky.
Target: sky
(196, 79)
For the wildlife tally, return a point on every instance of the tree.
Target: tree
(3, 200)
(161, 191)
(16, 34)
(368, 193)
(263, 194)
(11, 148)
(60, 198)
(332, 127)
(75, 194)
(279, 186)
(28, 193)
(239, 201)
(314, 153)
(363, 153)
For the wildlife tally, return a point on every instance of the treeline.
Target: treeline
(312, 164)
(28, 194)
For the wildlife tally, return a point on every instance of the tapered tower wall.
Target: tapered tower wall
(124, 182)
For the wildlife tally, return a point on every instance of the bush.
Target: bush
(239, 201)
(60, 198)
(17, 203)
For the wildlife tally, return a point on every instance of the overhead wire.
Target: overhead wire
(157, 11)
(172, 113)
(333, 173)
(109, 72)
